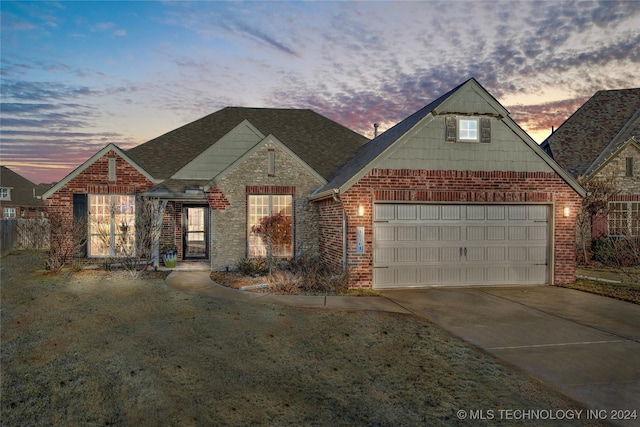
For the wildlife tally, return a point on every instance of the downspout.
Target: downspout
(345, 226)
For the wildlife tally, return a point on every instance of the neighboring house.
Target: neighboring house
(455, 194)
(216, 177)
(601, 141)
(19, 197)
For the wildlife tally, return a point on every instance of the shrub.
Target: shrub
(253, 266)
(602, 249)
(316, 277)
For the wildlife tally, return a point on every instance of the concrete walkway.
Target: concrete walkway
(584, 345)
(199, 282)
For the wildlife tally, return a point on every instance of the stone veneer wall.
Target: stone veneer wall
(443, 187)
(228, 201)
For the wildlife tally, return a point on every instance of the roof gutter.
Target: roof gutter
(334, 192)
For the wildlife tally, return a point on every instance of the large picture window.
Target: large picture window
(111, 225)
(624, 218)
(270, 211)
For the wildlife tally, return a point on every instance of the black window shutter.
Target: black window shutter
(485, 129)
(80, 219)
(450, 123)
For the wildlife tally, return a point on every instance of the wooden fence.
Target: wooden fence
(28, 233)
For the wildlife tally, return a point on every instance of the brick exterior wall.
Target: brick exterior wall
(442, 187)
(228, 202)
(95, 180)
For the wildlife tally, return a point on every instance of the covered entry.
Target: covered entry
(452, 244)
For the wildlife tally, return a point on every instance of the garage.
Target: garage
(417, 245)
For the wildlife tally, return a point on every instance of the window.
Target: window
(279, 209)
(111, 225)
(624, 219)
(5, 194)
(9, 212)
(629, 166)
(468, 129)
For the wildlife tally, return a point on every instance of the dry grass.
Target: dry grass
(627, 290)
(97, 348)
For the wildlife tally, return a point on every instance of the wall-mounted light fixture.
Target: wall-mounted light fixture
(566, 211)
(361, 210)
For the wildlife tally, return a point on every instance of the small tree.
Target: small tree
(275, 231)
(135, 245)
(595, 204)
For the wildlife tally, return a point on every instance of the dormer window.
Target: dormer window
(5, 194)
(468, 129)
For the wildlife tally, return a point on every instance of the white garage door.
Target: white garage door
(427, 245)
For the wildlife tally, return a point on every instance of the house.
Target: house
(455, 194)
(217, 177)
(19, 197)
(601, 141)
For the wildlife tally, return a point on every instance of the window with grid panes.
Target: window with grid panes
(624, 218)
(261, 206)
(111, 225)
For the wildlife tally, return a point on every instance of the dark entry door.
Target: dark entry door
(196, 232)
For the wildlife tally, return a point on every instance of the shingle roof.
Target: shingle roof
(22, 193)
(596, 130)
(319, 141)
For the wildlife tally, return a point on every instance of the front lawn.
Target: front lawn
(100, 348)
(627, 290)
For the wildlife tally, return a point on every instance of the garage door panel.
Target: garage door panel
(537, 232)
(384, 255)
(407, 212)
(450, 233)
(496, 274)
(384, 212)
(496, 254)
(429, 255)
(476, 233)
(426, 245)
(476, 254)
(496, 232)
(430, 232)
(385, 233)
(517, 233)
(429, 212)
(407, 233)
(406, 255)
(450, 254)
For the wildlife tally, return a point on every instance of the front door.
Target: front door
(195, 232)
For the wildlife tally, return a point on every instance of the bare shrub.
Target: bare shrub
(67, 237)
(596, 203)
(316, 277)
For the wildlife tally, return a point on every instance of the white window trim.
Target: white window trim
(249, 234)
(9, 212)
(5, 193)
(475, 120)
(628, 217)
(112, 226)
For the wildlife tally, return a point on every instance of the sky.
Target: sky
(76, 76)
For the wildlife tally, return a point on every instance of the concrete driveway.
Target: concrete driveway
(584, 345)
